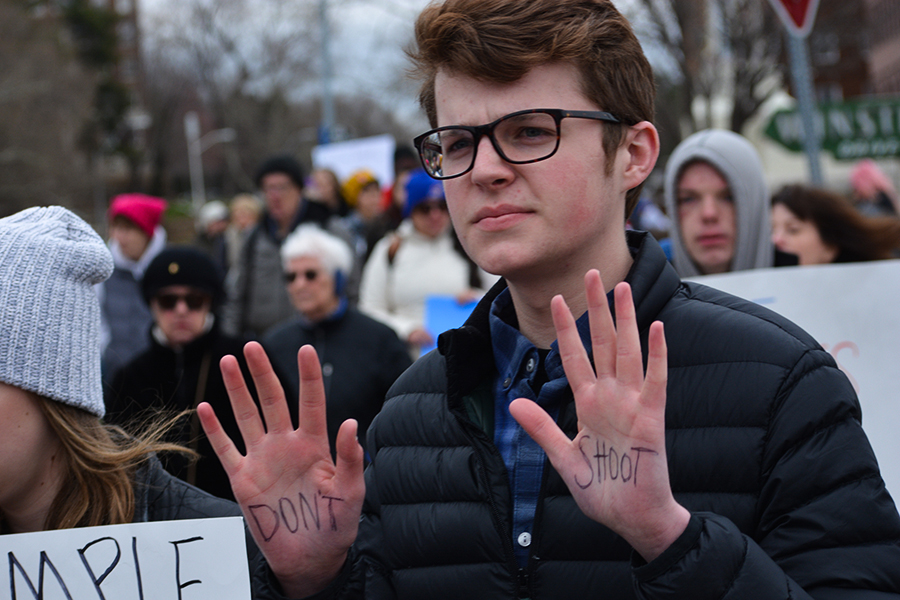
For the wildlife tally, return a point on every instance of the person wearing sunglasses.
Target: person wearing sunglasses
(598, 428)
(180, 368)
(360, 357)
(422, 258)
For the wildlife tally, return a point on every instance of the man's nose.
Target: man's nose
(489, 167)
(709, 207)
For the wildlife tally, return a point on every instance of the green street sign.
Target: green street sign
(849, 130)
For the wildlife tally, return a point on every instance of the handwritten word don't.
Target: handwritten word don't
(610, 464)
(303, 513)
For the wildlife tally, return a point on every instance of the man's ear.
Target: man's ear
(640, 149)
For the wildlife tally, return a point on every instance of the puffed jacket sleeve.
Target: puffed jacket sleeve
(824, 514)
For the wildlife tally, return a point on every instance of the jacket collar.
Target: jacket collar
(467, 350)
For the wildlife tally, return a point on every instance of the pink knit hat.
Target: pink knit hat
(144, 211)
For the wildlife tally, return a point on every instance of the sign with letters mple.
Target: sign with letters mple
(853, 311)
(195, 559)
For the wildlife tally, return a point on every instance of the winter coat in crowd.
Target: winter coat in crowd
(360, 357)
(124, 316)
(163, 379)
(395, 285)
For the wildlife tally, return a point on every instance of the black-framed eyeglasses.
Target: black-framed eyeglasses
(194, 300)
(308, 275)
(522, 137)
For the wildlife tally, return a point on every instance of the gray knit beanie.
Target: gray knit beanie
(50, 260)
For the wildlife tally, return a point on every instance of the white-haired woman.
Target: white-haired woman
(360, 357)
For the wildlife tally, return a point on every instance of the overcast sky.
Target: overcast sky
(366, 47)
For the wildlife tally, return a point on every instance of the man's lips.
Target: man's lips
(493, 218)
(712, 239)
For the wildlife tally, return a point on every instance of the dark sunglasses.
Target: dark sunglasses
(193, 300)
(427, 207)
(309, 275)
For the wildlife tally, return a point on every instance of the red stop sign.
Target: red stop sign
(797, 15)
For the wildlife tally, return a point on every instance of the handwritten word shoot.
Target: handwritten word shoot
(168, 560)
(305, 513)
(609, 464)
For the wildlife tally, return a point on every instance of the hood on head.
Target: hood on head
(735, 158)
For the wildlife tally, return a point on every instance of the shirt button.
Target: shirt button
(529, 366)
(327, 370)
(507, 382)
(524, 539)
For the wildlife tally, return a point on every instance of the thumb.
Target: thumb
(541, 427)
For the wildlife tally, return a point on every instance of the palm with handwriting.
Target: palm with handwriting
(618, 407)
(285, 467)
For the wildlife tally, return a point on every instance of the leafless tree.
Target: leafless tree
(252, 68)
(45, 100)
(709, 49)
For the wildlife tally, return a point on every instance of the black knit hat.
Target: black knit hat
(281, 164)
(183, 265)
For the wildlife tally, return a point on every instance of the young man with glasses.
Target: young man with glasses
(720, 458)
(182, 287)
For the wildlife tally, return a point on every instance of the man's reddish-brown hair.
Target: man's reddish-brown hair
(500, 41)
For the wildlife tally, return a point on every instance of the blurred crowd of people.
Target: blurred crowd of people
(345, 266)
(720, 215)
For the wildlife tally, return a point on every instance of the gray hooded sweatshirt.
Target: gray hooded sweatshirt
(739, 164)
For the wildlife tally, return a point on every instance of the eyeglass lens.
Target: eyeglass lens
(309, 275)
(194, 300)
(519, 138)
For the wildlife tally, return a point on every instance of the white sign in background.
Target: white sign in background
(195, 559)
(853, 310)
(374, 153)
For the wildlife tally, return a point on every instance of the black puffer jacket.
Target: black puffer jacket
(764, 445)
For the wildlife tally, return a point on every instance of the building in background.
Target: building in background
(883, 20)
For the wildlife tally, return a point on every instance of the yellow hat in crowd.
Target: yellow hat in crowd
(354, 184)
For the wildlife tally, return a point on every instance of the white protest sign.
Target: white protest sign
(853, 310)
(374, 153)
(193, 559)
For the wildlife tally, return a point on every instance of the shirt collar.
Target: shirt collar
(512, 349)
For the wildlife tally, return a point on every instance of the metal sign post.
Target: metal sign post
(801, 75)
(798, 17)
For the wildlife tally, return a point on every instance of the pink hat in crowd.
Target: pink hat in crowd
(143, 210)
